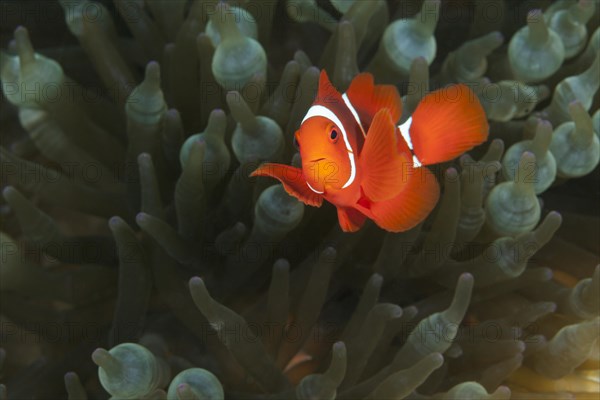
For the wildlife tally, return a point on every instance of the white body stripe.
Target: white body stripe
(354, 113)
(321, 111)
(416, 162)
(405, 131)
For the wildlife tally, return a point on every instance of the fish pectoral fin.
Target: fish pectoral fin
(382, 166)
(411, 206)
(447, 123)
(350, 219)
(369, 98)
(293, 182)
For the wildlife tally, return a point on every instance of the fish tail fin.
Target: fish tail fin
(447, 123)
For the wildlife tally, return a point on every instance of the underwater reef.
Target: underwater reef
(139, 259)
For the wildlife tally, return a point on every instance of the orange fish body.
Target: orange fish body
(354, 156)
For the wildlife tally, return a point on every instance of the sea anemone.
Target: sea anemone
(140, 260)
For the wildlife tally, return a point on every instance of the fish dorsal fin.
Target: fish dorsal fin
(293, 182)
(381, 163)
(328, 95)
(369, 98)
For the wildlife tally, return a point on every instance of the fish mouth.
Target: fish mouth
(317, 159)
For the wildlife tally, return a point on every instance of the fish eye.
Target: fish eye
(333, 135)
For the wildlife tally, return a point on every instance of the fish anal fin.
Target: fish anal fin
(350, 219)
(447, 123)
(293, 182)
(369, 98)
(381, 163)
(411, 206)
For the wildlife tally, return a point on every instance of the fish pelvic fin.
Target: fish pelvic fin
(447, 123)
(292, 180)
(351, 220)
(408, 208)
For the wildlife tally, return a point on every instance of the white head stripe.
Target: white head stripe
(313, 189)
(405, 131)
(354, 113)
(321, 111)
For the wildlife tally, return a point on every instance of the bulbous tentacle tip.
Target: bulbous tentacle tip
(232, 97)
(541, 140)
(10, 193)
(502, 390)
(591, 295)
(339, 349)
(196, 152)
(281, 266)
(462, 298)
(144, 158)
(583, 121)
(141, 218)
(73, 386)
(200, 296)
(494, 151)
(174, 114)
(376, 280)
(337, 369)
(196, 283)
(329, 254)
(239, 228)
(543, 125)
(535, 15)
(465, 281)
(596, 276)
(70, 376)
(451, 174)
(184, 391)
(495, 39)
(152, 75)
(582, 11)
(542, 92)
(429, 15)
(526, 164)
(103, 359)
(216, 113)
(435, 360)
(217, 123)
(115, 222)
(195, 384)
(23, 45)
(241, 111)
(549, 226)
(418, 64)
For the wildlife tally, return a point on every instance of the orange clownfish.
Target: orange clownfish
(356, 157)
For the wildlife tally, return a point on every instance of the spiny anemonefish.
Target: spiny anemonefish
(354, 155)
